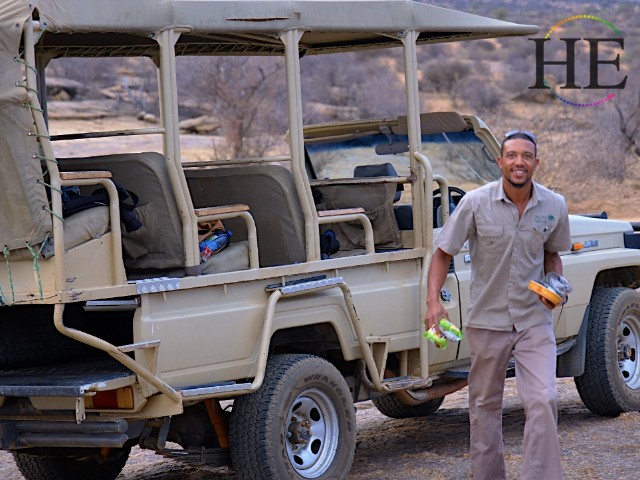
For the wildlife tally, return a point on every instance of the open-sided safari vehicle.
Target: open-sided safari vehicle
(114, 331)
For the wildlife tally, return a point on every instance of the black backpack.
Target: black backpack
(74, 202)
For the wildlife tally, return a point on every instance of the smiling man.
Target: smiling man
(516, 229)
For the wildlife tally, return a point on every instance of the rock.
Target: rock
(333, 112)
(202, 124)
(147, 117)
(64, 89)
(86, 109)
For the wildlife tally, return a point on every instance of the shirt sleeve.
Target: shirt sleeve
(459, 227)
(560, 238)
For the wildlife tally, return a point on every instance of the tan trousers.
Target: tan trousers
(534, 351)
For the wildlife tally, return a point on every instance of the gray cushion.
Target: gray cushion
(234, 257)
(84, 226)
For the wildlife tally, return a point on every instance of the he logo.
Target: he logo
(594, 62)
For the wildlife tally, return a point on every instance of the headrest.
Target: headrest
(379, 170)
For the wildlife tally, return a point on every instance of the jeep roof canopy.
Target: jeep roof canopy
(71, 27)
(331, 25)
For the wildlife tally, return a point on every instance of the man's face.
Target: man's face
(518, 161)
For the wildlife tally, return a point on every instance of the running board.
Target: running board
(463, 371)
(216, 388)
(406, 382)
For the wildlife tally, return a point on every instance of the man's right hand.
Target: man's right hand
(438, 270)
(435, 311)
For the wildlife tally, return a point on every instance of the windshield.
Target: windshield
(461, 157)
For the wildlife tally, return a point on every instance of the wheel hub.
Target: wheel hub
(626, 352)
(628, 343)
(299, 432)
(312, 433)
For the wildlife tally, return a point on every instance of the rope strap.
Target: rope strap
(31, 107)
(42, 157)
(26, 87)
(6, 252)
(26, 64)
(53, 213)
(36, 264)
(41, 181)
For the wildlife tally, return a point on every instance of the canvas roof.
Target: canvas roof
(222, 27)
(247, 25)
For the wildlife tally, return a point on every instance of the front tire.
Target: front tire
(58, 466)
(610, 383)
(300, 424)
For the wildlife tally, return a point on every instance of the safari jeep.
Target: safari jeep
(116, 331)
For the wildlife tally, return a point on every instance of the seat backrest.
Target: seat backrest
(379, 170)
(270, 193)
(377, 201)
(159, 243)
(24, 216)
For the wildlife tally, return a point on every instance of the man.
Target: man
(515, 228)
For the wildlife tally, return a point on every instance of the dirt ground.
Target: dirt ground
(437, 447)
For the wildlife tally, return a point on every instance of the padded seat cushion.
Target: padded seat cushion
(233, 258)
(86, 225)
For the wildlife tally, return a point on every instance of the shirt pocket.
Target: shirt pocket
(540, 234)
(491, 238)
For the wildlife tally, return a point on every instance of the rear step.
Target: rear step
(62, 380)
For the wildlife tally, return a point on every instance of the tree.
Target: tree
(246, 94)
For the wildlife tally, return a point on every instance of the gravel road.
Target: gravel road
(436, 447)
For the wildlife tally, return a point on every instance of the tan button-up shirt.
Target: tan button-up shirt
(506, 252)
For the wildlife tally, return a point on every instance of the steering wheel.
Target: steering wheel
(455, 195)
(457, 192)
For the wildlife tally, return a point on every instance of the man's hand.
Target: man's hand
(438, 270)
(435, 311)
(548, 303)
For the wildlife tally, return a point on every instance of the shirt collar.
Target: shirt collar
(499, 195)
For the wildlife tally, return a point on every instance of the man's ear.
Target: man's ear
(499, 161)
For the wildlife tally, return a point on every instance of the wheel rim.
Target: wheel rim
(628, 344)
(312, 433)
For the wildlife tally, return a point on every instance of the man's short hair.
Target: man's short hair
(521, 134)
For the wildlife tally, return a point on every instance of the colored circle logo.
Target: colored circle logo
(548, 36)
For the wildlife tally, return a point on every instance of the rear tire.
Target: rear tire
(57, 466)
(610, 383)
(391, 406)
(300, 424)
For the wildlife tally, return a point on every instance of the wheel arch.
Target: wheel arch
(314, 338)
(571, 363)
(322, 339)
(626, 276)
